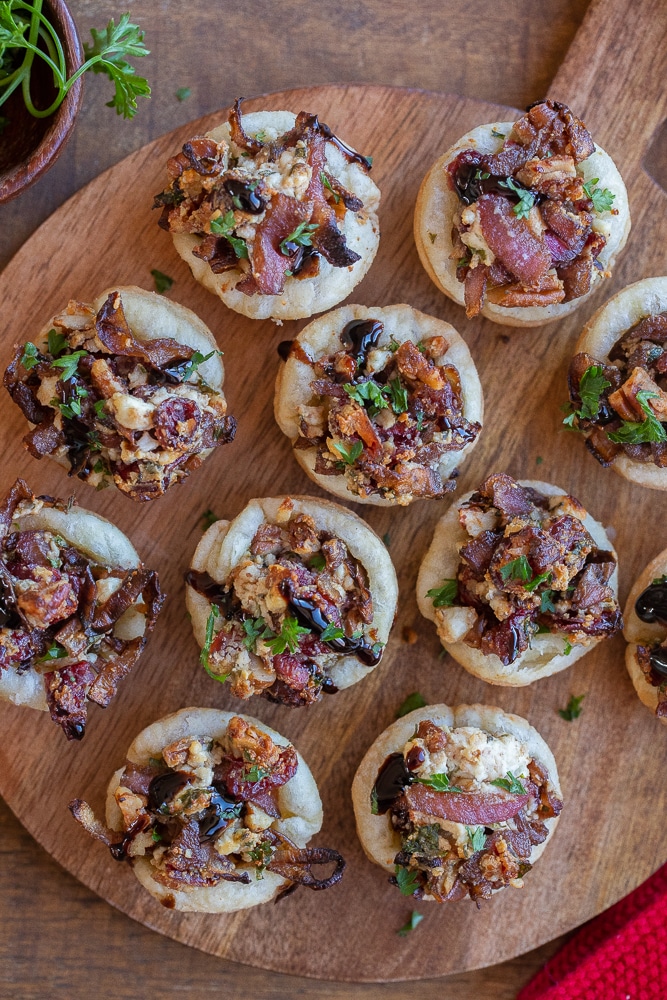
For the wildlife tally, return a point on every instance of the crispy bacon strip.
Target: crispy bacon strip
(473, 808)
(268, 262)
(510, 239)
(113, 330)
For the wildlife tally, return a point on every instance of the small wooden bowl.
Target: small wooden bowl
(30, 145)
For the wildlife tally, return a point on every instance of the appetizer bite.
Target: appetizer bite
(127, 391)
(457, 802)
(213, 812)
(646, 634)
(618, 384)
(520, 581)
(294, 597)
(273, 213)
(76, 607)
(519, 220)
(381, 405)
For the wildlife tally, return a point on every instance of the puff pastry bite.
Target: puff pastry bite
(457, 802)
(520, 581)
(293, 598)
(617, 382)
(214, 811)
(273, 213)
(381, 404)
(519, 220)
(126, 390)
(76, 607)
(646, 634)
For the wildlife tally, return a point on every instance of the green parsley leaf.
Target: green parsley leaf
(517, 569)
(649, 430)
(497, 134)
(261, 855)
(317, 562)
(526, 197)
(255, 628)
(73, 408)
(591, 385)
(399, 396)
(100, 408)
(162, 281)
(414, 919)
(57, 343)
(407, 880)
(367, 392)
(206, 648)
(193, 364)
(351, 454)
(255, 773)
(30, 356)
(425, 841)
(542, 629)
(288, 637)
(412, 702)
(224, 226)
(539, 460)
(69, 364)
(327, 183)
(547, 604)
(386, 538)
(183, 93)
(106, 55)
(567, 648)
(207, 519)
(54, 652)
(602, 198)
(433, 237)
(573, 709)
(261, 135)
(393, 345)
(446, 595)
(374, 801)
(439, 783)
(332, 632)
(510, 784)
(299, 237)
(537, 580)
(476, 836)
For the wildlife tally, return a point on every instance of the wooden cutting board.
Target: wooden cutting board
(610, 837)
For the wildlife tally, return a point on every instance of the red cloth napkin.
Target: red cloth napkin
(620, 955)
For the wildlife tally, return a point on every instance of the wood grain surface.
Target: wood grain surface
(89, 926)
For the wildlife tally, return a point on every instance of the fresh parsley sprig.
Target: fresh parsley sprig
(445, 595)
(572, 709)
(162, 281)
(255, 628)
(223, 225)
(25, 29)
(526, 197)
(302, 236)
(591, 386)
(439, 783)
(69, 364)
(648, 431)
(288, 637)
(406, 880)
(412, 921)
(602, 198)
(30, 357)
(510, 783)
(476, 836)
(73, 407)
(351, 453)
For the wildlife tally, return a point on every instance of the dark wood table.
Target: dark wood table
(58, 939)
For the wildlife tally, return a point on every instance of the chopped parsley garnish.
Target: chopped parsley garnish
(413, 701)
(223, 225)
(407, 880)
(206, 648)
(317, 562)
(602, 198)
(261, 135)
(386, 538)
(288, 637)
(183, 93)
(444, 596)
(255, 628)
(439, 783)
(591, 386)
(351, 454)
(526, 197)
(69, 364)
(162, 281)
(54, 652)
(367, 392)
(510, 784)
(155, 836)
(476, 836)
(425, 840)
(573, 708)
(30, 356)
(433, 237)
(57, 343)
(547, 604)
(255, 773)
(261, 855)
(539, 460)
(393, 345)
(73, 408)
(332, 632)
(374, 801)
(299, 237)
(327, 183)
(193, 364)
(537, 580)
(100, 408)
(542, 630)
(649, 430)
(414, 919)
(207, 519)
(517, 569)
(497, 134)
(567, 648)
(399, 396)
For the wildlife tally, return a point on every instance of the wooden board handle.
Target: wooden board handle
(614, 76)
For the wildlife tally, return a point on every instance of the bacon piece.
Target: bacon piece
(18, 646)
(292, 670)
(506, 494)
(113, 330)
(415, 365)
(66, 697)
(327, 238)
(650, 328)
(479, 552)
(550, 127)
(504, 858)
(239, 135)
(508, 639)
(189, 862)
(351, 202)
(137, 777)
(45, 438)
(624, 400)
(21, 391)
(591, 588)
(105, 685)
(282, 217)
(471, 808)
(601, 447)
(217, 252)
(548, 291)
(203, 155)
(576, 278)
(474, 289)
(510, 239)
(353, 420)
(231, 773)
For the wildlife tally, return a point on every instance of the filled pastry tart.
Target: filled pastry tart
(213, 811)
(293, 598)
(76, 607)
(646, 634)
(520, 581)
(618, 383)
(381, 404)
(273, 213)
(457, 802)
(126, 391)
(519, 220)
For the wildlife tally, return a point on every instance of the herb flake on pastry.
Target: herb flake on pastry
(126, 391)
(520, 581)
(76, 607)
(273, 213)
(293, 598)
(381, 404)
(214, 811)
(519, 220)
(457, 802)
